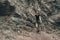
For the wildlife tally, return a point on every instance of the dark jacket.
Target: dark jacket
(37, 18)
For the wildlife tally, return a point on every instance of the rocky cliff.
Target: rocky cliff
(17, 20)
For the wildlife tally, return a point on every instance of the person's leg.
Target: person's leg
(37, 27)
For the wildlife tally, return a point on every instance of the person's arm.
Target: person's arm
(40, 19)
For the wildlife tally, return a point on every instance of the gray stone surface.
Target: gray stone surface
(20, 24)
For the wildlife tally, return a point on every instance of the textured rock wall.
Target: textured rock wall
(25, 13)
(26, 10)
(21, 24)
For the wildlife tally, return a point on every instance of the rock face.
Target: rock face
(17, 20)
(26, 10)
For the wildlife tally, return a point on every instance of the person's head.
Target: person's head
(38, 11)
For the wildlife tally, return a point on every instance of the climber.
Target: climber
(38, 20)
